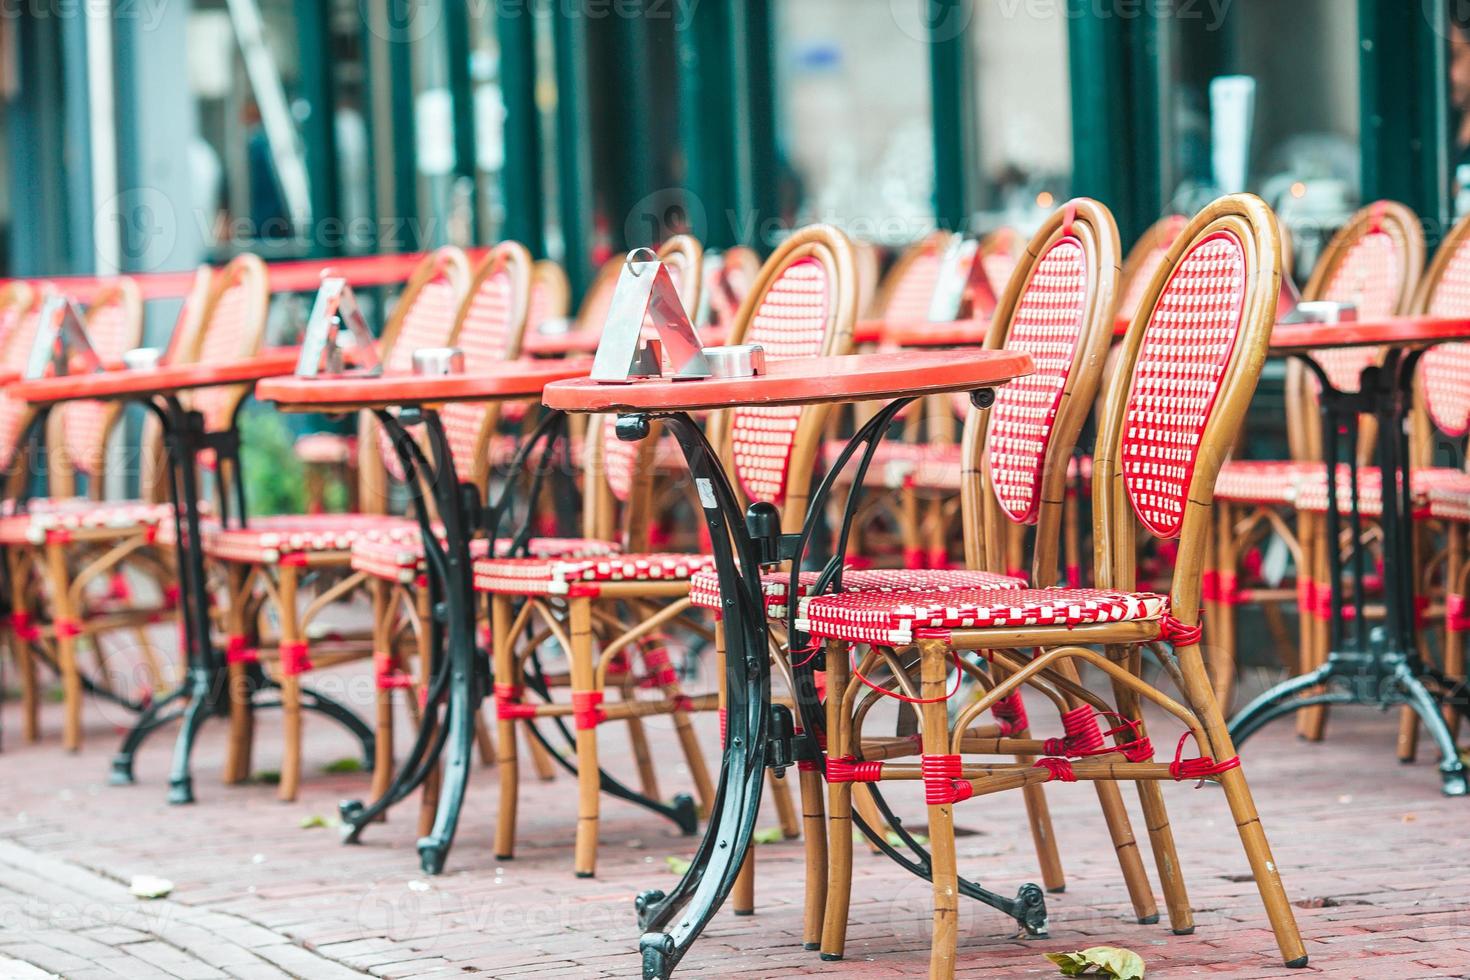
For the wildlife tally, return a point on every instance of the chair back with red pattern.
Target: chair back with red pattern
(1058, 307)
(627, 467)
(726, 283)
(1144, 259)
(231, 328)
(191, 313)
(114, 324)
(1444, 373)
(1191, 359)
(908, 288)
(20, 308)
(425, 311)
(489, 328)
(803, 305)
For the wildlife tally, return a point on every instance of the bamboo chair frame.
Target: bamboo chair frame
(1253, 226)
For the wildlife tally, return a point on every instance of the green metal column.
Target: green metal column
(399, 32)
(521, 175)
(1404, 83)
(952, 105)
(757, 171)
(318, 131)
(1116, 115)
(462, 97)
(574, 151)
(706, 107)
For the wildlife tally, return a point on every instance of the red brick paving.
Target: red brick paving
(1376, 859)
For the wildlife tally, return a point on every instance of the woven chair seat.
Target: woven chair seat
(403, 560)
(704, 587)
(326, 448)
(46, 517)
(1448, 493)
(1261, 481)
(901, 617)
(288, 538)
(582, 577)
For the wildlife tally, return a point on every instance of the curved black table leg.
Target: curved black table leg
(316, 701)
(1280, 700)
(153, 717)
(1430, 711)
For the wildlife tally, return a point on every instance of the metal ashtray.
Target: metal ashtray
(142, 358)
(558, 326)
(438, 361)
(1323, 311)
(736, 360)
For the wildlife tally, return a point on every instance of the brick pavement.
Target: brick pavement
(1374, 858)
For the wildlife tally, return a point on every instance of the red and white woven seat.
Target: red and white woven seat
(326, 448)
(704, 587)
(1448, 495)
(582, 577)
(290, 538)
(901, 617)
(45, 517)
(1261, 481)
(1310, 493)
(402, 560)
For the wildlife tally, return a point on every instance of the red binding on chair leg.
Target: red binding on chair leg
(1457, 613)
(1010, 714)
(236, 652)
(661, 672)
(68, 627)
(389, 678)
(1057, 769)
(587, 709)
(25, 631)
(1180, 634)
(295, 658)
(1182, 769)
(508, 703)
(943, 780)
(849, 770)
(1084, 735)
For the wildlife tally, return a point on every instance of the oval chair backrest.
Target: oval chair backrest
(551, 294)
(20, 308)
(1191, 359)
(114, 324)
(1144, 260)
(1445, 370)
(803, 305)
(1374, 262)
(191, 313)
(489, 328)
(908, 289)
(424, 314)
(231, 327)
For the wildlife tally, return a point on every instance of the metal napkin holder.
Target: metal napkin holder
(61, 341)
(325, 344)
(962, 289)
(645, 294)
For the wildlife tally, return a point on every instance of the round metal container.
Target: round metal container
(1323, 311)
(736, 360)
(436, 361)
(142, 358)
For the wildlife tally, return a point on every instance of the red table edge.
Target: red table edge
(802, 381)
(353, 392)
(1385, 331)
(104, 385)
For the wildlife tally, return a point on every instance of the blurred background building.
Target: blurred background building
(144, 135)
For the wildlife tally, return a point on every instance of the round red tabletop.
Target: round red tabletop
(803, 381)
(163, 380)
(517, 380)
(932, 333)
(1399, 331)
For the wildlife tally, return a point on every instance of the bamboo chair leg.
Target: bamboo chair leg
(1120, 829)
(934, 671)
(909, 528)
(862, 802)
(429, 794)
(290, 689)
(507, 672)
(839, 810)
(66, 621)
(814, 844)
(1072, 540)
(643, 757)
(1043, 836)
(1312, 722)
(1454, 639)
(152, 664)
(541, 760)
(1156, 819)
(1243, 809)
(385, 655)
(1222, 643)
(99, 664)
(589, 789)
(484, 742)
(25, 655)
(242, 717)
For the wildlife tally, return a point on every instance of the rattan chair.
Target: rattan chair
(1191, 360)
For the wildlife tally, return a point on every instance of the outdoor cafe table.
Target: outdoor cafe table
(1379, 667)
(760, 734)
(458, 684)
(205, 689)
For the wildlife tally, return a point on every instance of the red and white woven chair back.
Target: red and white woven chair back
(231, 327)
(1185, 350)
(1058, 318)
(191, 314)
(1445, 370)
(1144, 261)
(909, 290)
(114, 325)
(1373, 263)
(16, 299)
(489, 328)
(801, 308)
(23, 308)
(426, 309)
